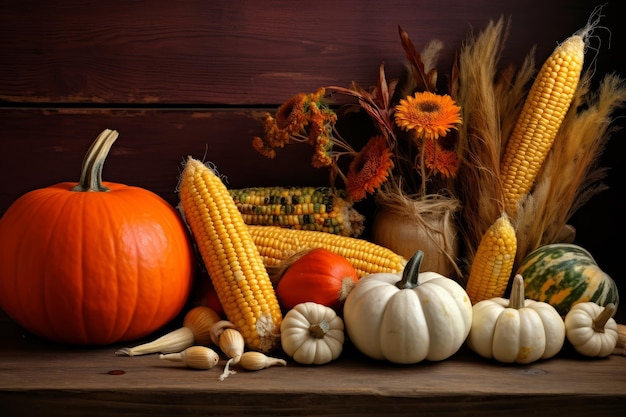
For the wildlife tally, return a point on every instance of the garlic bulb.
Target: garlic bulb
(196, 357)
(197, 326)
(232, 344)
(218, 328)
(201, 320)
(255, 361)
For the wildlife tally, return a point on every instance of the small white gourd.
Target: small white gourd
(591, 329)
(516, 330)
(312, 334)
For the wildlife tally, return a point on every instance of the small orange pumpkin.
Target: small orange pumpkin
(96, 262)
(318, 276)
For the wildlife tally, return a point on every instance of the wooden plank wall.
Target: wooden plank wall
(180, 78)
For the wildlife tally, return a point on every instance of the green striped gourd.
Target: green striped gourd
(563, 274)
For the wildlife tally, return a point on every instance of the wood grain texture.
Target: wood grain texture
(149, 153)
(241, 52)
(179, 78)
(39, 378)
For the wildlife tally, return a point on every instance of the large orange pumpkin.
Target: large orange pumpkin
(93, 263)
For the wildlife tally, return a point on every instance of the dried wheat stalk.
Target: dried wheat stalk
(491, 101)
(570, 175)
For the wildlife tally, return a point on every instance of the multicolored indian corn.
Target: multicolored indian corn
(322, 209)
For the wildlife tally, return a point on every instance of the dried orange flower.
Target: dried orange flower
(429, 115)
(305, 118)
(261, 147)
(369, 169)
(291, 116)
(439, 159)
(386, 157)
(322, 142)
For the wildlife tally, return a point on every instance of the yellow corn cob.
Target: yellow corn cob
(309, 208)
(493, 262)
(231, 258)
(277, 244)
(540, 119)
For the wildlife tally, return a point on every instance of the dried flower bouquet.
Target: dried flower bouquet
(437, 157)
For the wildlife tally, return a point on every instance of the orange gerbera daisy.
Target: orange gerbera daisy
(440, 159)
(369, 169)
(429, 115)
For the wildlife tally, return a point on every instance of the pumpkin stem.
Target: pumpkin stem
(91, 171)
(600, 321)
(411, 271)
(347, 285)
(319, 330)
(518, 297)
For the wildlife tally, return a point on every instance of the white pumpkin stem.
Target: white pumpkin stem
(320, 329)
(411, 272)
(518, 297)
(600, 321)
(91, 171)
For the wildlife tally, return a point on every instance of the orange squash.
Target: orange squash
(318, 276)
(96, 262)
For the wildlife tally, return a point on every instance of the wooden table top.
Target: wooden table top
(40, 378)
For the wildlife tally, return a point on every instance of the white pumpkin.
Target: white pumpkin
(516, 330)
(409, 316)
(591, 329)
(312, 333)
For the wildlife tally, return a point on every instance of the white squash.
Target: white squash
(516, 330)
(591, 329)
(409, 316)
(312, 334)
